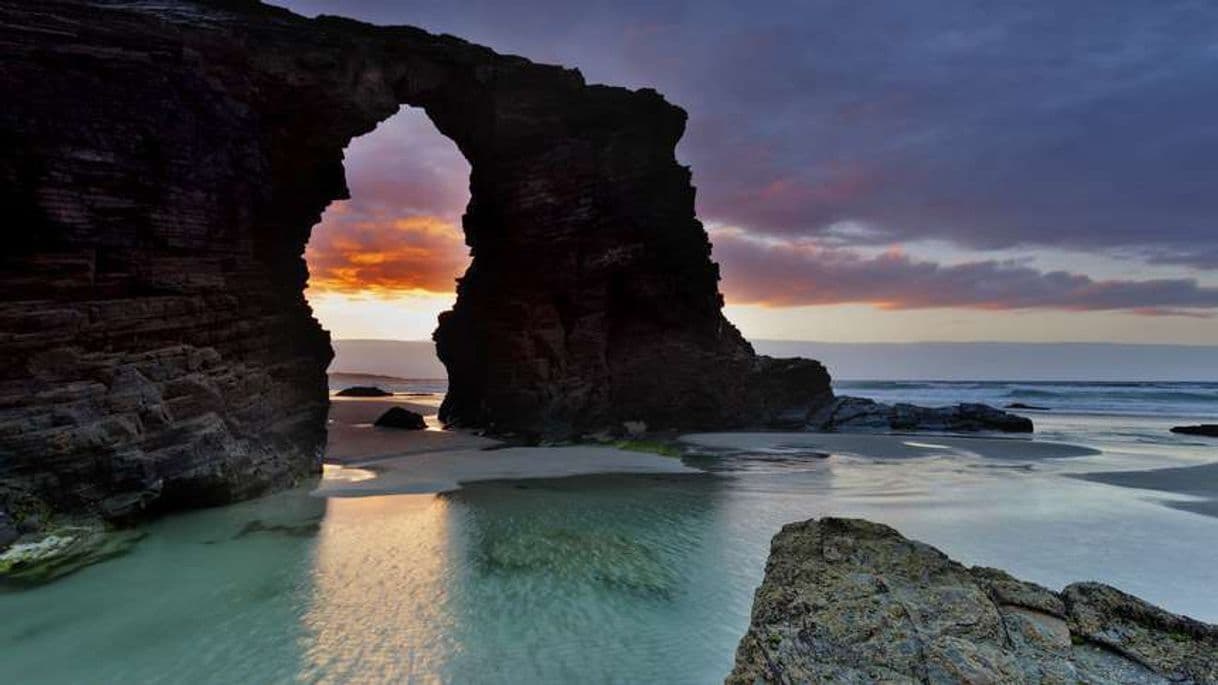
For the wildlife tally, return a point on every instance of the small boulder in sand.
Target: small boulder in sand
(1209, 430)
(1021, 405)
(397, 417)
(363, 391)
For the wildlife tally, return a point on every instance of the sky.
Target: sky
(884, 171)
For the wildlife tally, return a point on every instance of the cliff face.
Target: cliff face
(162, 166)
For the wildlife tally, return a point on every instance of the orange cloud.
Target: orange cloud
(794, 273)
(353, 252)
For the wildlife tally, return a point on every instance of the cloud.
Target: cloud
(400, 231)
(830, 129)
(357, 252)
(405, 166)
(1083, 125)
(785, 273)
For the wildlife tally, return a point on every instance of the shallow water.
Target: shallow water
(645, 578)
(588, 579)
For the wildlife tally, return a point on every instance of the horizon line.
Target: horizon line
(884, 342)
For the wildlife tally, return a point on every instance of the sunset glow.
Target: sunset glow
(852, 210)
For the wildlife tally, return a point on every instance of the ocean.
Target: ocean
(1181, 400)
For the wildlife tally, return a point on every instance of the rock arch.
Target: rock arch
(163, 164)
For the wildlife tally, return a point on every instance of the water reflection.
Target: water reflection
(380, 586)
(213, 594)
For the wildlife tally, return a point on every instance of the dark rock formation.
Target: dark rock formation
(399, 417)
(860, 413)
(8, 529)
(161, 167)
(1209, 430)
(849, 601)
(1021, 405)
(363, 391)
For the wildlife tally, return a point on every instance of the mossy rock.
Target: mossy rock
(61, 551)
(660, 447)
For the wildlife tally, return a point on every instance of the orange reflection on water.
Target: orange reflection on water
(380, 591)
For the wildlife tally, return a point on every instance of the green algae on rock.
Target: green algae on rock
(61, 551)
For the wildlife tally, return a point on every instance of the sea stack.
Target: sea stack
(164, 164)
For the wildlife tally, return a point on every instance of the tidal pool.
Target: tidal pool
(615, 578)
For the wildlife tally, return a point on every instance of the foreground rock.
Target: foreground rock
(363, 391)
(397, 417)
(162, 166)
(860, 413)
(850, 601)
(1209, 430)
(62, 550)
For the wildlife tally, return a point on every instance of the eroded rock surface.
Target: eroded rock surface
(161, 166)
(861, 414)
(850, 601)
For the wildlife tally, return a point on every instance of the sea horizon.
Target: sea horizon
(900, 361)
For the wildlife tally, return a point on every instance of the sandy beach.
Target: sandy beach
(364, 460)
(889, 446)
(1195, 481)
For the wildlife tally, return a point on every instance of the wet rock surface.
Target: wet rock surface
(1021, 405)
(1209, 430)
(60, 551)
(162, 166)
(397, 417)
(850, 601)
(861, 414)
(363, 391)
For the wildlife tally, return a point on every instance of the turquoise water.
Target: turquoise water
(591, 579)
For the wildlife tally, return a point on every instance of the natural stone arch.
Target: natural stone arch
(165, 164)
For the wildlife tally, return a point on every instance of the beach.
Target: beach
(444, 556)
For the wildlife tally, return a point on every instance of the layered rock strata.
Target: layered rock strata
(162, 166)
(850, 601)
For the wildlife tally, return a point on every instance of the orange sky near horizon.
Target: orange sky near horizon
(384, 265)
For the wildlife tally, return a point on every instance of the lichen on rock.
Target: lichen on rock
(850, 601)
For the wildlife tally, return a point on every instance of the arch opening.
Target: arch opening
(383, 263)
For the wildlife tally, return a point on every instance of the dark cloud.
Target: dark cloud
(785, 273)
(1087, 124)
(832, 128)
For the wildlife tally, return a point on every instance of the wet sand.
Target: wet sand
(1195, 481)
(886, 446)
(352, 437)
(446, 470)
(366, 461)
